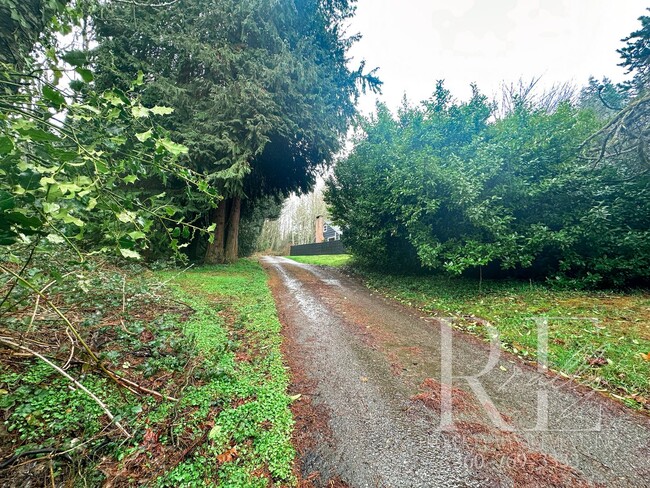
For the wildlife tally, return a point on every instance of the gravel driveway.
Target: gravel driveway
(374, 412)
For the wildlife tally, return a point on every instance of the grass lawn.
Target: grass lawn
(324, 260)
(610, 351)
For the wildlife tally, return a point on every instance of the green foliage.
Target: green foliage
(444, 188)
(44, 408)
(636, 53)
(74, 160)
(23, 24)
(72, 179)
(221, 358)
(253, 417)
(262, 91)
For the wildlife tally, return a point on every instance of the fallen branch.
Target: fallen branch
(67, 363)
(146, 390)
(122, 324)
(12, 345)
(65, 319)
(12, 459)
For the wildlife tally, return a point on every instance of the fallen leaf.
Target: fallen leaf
(214, 432)
(645, 357)
(597, 361)
(146, 336)
(227, 456)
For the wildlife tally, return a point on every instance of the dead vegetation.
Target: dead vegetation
(91, 326)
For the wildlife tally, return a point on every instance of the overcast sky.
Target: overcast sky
(416, 42)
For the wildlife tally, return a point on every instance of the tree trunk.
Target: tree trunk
(215, 253)
(232, 242)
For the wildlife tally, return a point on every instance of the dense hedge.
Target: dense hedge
(446, 186)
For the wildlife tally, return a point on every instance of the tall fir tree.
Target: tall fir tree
(261, 89)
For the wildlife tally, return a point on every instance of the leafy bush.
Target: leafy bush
(444, 187)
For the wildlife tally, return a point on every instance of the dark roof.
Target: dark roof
(332, 231)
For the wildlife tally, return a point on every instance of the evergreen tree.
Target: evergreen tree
(623, 140)
(261, 90)
(636, 53)
(447, 187)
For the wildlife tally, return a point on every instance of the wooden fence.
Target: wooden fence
(329, 247)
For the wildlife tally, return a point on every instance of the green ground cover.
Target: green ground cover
(210, 338)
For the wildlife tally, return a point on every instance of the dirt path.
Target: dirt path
(369, 373)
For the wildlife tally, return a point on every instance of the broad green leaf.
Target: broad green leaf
(128, 253)
(144, 136)
(71, 219)
(139, 80)
(215, 432)
(139, 111)
(85, 74)
(75, 57)
(51, 208)
(101, 166)
(6, 145)
(174, 148)
(130, 179)
(71, 188)
(47, 180)
(114, 99)
(38, 135)
(158, 110)
(90, 109)
(126, 216)
(55, 97)
(24, 221)
(137, 235)
(92, 204)
(7, 237)
(6, 200)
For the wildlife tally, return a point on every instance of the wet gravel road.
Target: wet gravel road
(369, 372)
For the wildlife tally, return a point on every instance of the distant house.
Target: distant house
(326, 231)
(327, 241)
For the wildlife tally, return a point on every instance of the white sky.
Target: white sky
(416, 42)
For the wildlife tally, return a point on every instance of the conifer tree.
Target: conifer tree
(261, 90)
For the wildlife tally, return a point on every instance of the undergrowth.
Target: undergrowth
(209, 338)
(252, 429)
